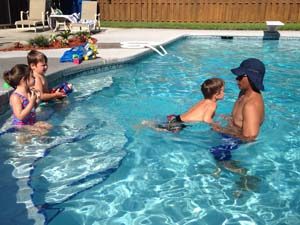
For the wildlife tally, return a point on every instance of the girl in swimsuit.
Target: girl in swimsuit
(23, 101)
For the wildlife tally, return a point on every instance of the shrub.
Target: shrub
(39, 41)
(83, 35)
(64, 35)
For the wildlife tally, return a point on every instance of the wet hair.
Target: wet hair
(253, 86)
(16, 74)
(34, 57)
(211, 86)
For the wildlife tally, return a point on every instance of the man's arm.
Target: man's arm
(251, 121)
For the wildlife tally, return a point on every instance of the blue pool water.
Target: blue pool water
(100, 166)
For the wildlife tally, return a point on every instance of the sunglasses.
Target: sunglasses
(240, 77)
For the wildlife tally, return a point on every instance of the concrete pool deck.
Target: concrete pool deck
(110, 52)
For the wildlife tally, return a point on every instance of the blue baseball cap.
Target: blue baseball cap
(255, 71)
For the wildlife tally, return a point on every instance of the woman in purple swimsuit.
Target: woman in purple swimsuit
(23, 101)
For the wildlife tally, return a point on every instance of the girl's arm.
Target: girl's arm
(16, 104)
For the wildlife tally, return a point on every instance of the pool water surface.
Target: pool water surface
(99, 165)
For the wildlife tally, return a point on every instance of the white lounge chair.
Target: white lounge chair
(89, 19)
(63, 20)
(36, 16)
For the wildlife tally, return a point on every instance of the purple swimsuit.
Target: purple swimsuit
(29, 119)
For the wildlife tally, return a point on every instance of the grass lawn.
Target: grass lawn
(200, 26)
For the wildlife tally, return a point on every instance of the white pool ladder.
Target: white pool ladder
(144, 44)
(163, 51)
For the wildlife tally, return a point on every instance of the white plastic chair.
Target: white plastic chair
(36, 16)
(90, 19)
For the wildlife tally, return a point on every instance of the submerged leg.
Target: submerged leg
(248, 183)
(232, 166)
(217, 172)
(153, 125)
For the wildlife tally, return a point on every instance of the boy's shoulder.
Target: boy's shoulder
(207, 102)
(38, 75)
(210, 103)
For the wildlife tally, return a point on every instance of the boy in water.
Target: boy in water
(37, 62)
(204, 111)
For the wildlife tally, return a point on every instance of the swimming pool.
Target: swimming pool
(100, 166)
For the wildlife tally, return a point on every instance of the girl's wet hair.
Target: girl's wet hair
(211, 86)
(16, 74)
(34, 57)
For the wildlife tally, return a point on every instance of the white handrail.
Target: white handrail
(163, 53)
(144, 44)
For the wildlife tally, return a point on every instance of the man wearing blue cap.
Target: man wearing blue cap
(248, 111)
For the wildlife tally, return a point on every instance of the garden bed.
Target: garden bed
(64, 39)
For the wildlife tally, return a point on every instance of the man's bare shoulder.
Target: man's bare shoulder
(254, 100)
(250, 106)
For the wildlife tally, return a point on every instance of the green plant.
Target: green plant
(83, 35)
(62, 38)
(64, 34)
(39, 41)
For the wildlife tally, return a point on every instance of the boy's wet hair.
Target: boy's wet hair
(16, 74)
(34, 57)
(211, 86)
